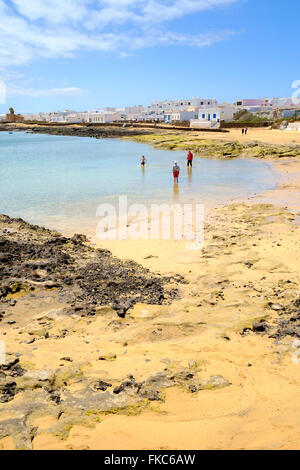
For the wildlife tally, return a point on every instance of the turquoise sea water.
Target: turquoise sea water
(59, 181)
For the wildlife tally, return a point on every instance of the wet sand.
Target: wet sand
(237, 319)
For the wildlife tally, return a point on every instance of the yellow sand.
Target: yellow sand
(266, 135)
(260, 410)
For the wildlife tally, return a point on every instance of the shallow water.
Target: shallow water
(59, 181)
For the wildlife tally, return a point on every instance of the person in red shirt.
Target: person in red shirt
(189, 158)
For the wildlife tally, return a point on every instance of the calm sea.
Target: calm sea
(59, 181)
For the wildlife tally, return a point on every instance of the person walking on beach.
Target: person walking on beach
(243, 131)
(143, 160)
(189, 158)
(176, 170)
(246, 130)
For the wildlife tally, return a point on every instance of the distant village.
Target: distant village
(196, 113)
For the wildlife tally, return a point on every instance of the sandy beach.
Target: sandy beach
(265, 135)
(149, 229)
(216, 367)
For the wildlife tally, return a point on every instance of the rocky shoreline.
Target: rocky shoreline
(97, 132)
(34, 258)
(167, 139)
(211, 148)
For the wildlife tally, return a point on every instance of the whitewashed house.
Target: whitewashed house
(77, 118)
(212, 117)
(207, 119)
(95, 117)
(37, 117)
(227, 112)
(168, 106)
(102, 118)
(180, 116)
(55, 116)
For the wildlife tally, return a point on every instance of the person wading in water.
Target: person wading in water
(176, 170)
(189, 158)
(143, 160)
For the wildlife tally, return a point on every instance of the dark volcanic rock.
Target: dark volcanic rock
(129, 384)
(286, 324)
(13, 368)
(90, 130)
(101, 385)
(260, 327)
(32, 256)
(8, 392)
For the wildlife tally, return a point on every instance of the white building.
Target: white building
(102, 117)
(207, 118)
(95, 117)
(181, 105)
(227, 112)
(77, 118)
(57, 116)
(36, 117)
(253, 103)
(212, 117)
(180, 116)
(135, 110)
(265, 104)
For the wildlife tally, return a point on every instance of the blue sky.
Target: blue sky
(85, 54)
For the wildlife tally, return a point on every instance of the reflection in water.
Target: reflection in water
(143, 170)
(175, 191)
(190, 174)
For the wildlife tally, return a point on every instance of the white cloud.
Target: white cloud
(100, 12)
(170, 38)
(6, 75)
(53, 11)
(45, 29)
(125, 55)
